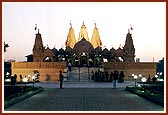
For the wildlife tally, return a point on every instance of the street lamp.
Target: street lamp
(135, 78)
(156, 76)
(33, 78)
(132, 77)
(159, 76)
(7, 74)
(140, 75)
(7, 78)
(29, 77)
(143, 79)
(25, 81)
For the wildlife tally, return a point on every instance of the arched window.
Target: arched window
(47, 59)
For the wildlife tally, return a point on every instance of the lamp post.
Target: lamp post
(135, 78)
(33, 78)
(28, 78)
(156, 76)
(159, 76)
(140, 76)
(7, 75)
(25, 81)
(132, 77)
(79, 72)
(143, 79)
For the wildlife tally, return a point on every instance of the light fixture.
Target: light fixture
(140, 75)
(25, 79)
(135, 77)
(143, 79)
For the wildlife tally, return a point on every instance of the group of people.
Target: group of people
(104, 76)
(114, 77)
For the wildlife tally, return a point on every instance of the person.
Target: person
(106, 76)
(61, 78)
(148, 80)
(13, 79)
(69, 66)
(96, 76)
(111, 76)
(154, 79)
(121, 77)
(92, 75)
(115, 78)
(20, 78)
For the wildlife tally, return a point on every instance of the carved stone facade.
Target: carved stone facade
(83, 52)
(40, 54)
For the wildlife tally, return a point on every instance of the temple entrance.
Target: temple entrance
(83, 61)
(79, 74)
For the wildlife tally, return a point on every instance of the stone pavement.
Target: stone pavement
(84, 97)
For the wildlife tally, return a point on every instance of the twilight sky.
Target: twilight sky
(112, 19)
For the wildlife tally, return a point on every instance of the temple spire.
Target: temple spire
(95, 41)
(95, 24)
(71, 40)
(129, 48)
(38, 48)
(83, 33)
(70, 24)
(38, 31)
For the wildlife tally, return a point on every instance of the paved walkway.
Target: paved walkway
(91, 84)
(84, 97)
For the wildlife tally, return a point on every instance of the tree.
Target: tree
(5, 46)
(160, 66)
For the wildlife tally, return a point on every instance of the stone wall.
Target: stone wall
(49, 71)
(129, 68)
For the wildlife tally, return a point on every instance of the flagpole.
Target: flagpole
(35, 28)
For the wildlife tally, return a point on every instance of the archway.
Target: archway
(83, 59)
(47, 59)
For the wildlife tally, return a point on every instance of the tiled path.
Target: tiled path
(93, 97)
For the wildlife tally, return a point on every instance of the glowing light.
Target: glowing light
(33, 77)
(140, 75)
(143, 79)
(25, 79)
(135, 76)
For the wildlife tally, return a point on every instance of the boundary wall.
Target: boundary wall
(129, 68)
(49, 71)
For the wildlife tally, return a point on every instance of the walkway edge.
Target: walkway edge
(21, 98)
(155, 100)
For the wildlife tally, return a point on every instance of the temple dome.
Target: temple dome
(83, 46)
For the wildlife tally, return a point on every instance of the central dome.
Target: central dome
(83, 46)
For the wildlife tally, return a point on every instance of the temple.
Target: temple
(84, 52)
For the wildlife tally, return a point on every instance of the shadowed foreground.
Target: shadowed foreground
(85, 99)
